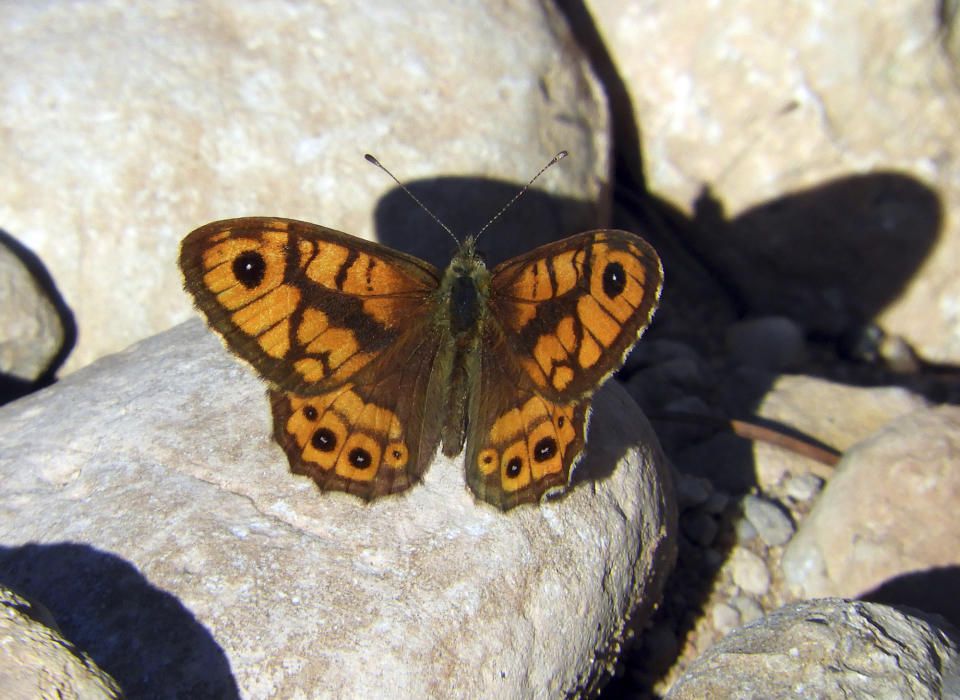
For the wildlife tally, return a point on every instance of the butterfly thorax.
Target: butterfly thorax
(461, 316)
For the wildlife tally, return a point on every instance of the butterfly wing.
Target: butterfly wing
(309, 307)
(563, 317)
(341, 330)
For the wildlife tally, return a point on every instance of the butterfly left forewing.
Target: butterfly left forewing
(308, 307)
(562, 319)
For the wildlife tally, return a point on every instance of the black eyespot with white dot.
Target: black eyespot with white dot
(545, 449)
(310, 413)
(360, 458)
(514, 466)
(324, 440)
(614, 280)
(249, 268)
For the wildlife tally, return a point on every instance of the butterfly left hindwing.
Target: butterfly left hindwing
(374, 357)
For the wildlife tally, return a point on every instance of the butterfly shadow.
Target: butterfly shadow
(145, 638)
(11, 386)
(831, 257)
(465, 205)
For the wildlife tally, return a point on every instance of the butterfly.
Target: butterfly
(374, 357)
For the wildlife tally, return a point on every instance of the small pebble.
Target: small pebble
(803, 487)
(725, 618)
(744, 531)
(699, 527)
(716, 503)
(773, 525)
(774, 342)
(692, 491)
(750, 572)
(748, 608)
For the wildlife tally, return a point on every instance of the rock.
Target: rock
(692, 491)
(803, 487)
(885, 514)
(827, 139)
(771, 522)
(725, 618)
(750, 572)
(699, 527)
(772, 343)
(134, 125)
(829, 648)
(144, 501)
(37, 662)
(31, 332)
(836, 415)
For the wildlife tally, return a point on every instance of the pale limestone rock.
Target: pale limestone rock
(125, 126)
(829, 648)
(885, 521)
(31, 332)
(827, 133)
(37, 662)
(837, 415)
(148, 485)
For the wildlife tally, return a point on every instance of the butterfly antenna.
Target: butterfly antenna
(553, 161)
(374, 161)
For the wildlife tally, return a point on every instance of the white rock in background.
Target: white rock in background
(124, 127)
(888, 514)
(835, 414)
(37, 662)
(31, 332)
(829, 648)
(828, 133)
(144, 494)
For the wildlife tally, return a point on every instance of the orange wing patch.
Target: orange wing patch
(528, 444)
(342, 439)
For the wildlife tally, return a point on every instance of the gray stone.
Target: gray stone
(772, 343)
(803, 487)
(148, 490)
(771, 522)
(884, 520)
(750, 572)
(830, 648)
(37, 662)
(699, 527)
(31, 332)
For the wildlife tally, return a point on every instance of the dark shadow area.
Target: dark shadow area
(142, 636)
(831, 257)
(12, 387)
(931, 591)
(465, 205)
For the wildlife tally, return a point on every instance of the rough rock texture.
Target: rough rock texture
(835, 414)
(144, 501)
(814, 147)
(125, 126)
(885, 522)
(31, 333)
(37, 662)
(829, 648)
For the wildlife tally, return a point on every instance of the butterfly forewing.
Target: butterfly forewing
(307, 306)
(570, 310)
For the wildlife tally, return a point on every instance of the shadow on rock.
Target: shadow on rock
(142, 636)
(932, 591)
